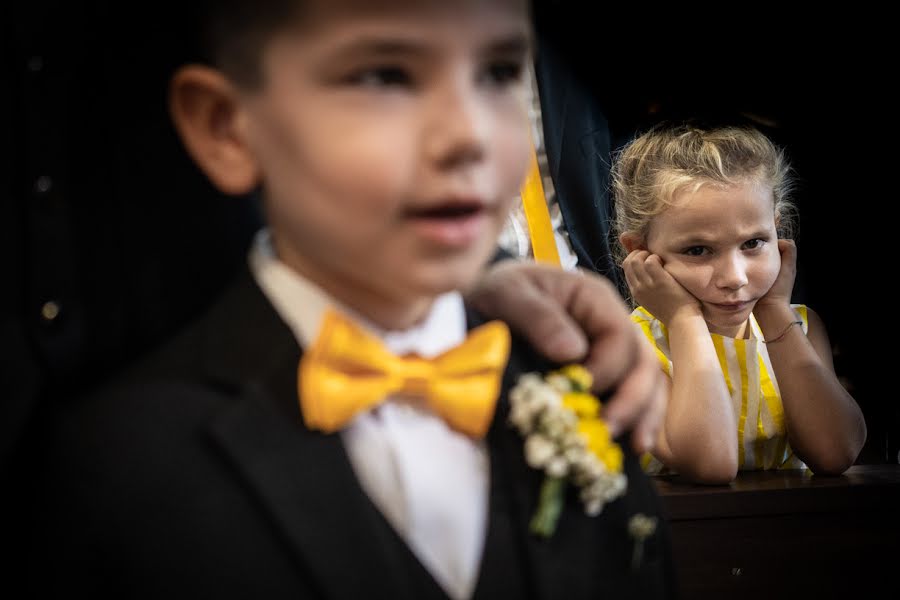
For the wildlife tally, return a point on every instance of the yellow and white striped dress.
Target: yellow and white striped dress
(755, 397)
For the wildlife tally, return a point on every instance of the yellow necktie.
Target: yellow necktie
(347, 371)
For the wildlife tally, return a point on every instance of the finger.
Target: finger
(636, 270)
(644, 435)
(654, 268)
(547, 326)
(602, 313)
(788, 250)
(635, 393)
(532, 299)
(628, 268)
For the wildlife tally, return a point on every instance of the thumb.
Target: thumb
(547, 326)
(533, 300)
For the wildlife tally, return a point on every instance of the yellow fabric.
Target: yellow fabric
(543, 240)
(644, 321)
(744, 376)
(756, 399)
(348, 371)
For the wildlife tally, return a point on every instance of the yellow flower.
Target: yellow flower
(583, 404)
(601, 444)
(580, 377)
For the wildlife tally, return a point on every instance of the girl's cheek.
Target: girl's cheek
(680, 272)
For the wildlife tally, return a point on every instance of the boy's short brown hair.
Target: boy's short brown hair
(233, 33)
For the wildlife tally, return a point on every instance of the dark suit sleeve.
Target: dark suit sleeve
(577, 141)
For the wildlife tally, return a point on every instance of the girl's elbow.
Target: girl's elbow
(720, 474)
(838, 460)
(830, 467)
(719, 470)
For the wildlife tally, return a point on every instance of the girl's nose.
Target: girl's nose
(731, 272)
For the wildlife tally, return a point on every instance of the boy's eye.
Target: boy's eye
(503, 72)
(695, 251)
(385, 76)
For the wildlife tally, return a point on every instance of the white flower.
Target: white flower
(593, 507)
(538, 450)
(557, 466)
(640, 526)
(555, 424)
(522, 416)
(559, 382)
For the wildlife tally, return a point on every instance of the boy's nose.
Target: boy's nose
(731, 273)
(458, 126)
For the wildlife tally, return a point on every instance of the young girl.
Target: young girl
(701, 214)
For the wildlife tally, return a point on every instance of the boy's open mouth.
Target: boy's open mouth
(451, 210)
(452, 224)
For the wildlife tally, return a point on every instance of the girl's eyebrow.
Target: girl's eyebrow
(694, 239)
(697, 239)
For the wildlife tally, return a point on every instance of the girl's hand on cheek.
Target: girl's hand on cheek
(779, 295)
(654, 288)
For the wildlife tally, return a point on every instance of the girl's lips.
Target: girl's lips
(731, 306)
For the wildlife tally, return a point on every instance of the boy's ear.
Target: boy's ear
(207, 116)
(631, 241)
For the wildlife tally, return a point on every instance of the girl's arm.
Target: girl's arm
(825, 425)
(698, 437)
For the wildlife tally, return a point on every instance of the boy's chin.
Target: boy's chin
(456, 274)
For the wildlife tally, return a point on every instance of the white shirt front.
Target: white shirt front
(429, 481)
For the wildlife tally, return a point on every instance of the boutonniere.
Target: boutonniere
(566, 438)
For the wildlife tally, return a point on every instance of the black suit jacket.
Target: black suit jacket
(195, 477)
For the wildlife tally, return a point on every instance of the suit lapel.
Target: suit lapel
(306, 484)
(303, 479)
(514, 485)
(510, 547)
(550, 567)
(584, 556)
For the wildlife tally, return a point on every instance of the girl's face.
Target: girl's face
(721, 244)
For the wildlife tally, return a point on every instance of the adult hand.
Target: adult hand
(580, 317)
(656, 289)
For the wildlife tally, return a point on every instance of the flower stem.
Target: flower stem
(550, 504)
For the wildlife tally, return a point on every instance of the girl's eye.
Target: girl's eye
(695, 251)
(754, 244)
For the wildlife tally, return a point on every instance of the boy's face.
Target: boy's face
(392, 138)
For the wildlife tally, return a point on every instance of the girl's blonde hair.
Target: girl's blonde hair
(652, 169)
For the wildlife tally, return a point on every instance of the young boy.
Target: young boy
(389, 140)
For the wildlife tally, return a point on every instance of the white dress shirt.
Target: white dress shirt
(429, 481)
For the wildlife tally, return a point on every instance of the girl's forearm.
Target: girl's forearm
(825, 425)
(699, 424)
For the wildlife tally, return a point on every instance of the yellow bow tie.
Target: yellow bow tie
(347, 371)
